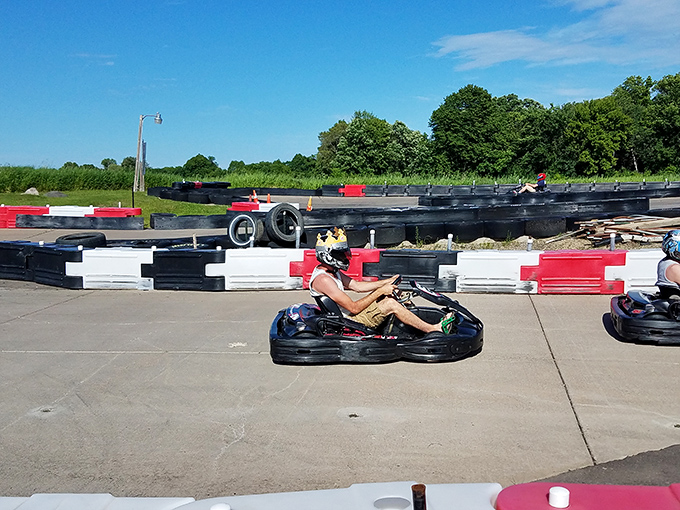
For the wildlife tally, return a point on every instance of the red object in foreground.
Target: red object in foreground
(534, 496)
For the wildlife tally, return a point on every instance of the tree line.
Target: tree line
(634, 130)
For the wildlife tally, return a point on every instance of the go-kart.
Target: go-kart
(646, 317)
(319, 333)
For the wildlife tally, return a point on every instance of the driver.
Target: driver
(668, 269)
(333, 254)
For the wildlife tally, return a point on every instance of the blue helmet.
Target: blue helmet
(671, 245)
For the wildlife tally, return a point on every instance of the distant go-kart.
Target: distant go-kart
(319, 333)
(645, 317)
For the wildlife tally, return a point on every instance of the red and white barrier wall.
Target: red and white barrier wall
(484, 271)
(9, 213)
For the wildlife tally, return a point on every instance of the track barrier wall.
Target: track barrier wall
(217, 269)
(388, 495)
(10, 214)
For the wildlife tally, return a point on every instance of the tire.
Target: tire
(545, 227)
(501, 230)
(465, 231)
(244, 226)
(388, 234)
(426, 233)
(280, 223)
(86, 240)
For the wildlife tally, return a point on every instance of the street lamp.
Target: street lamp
(139, 162)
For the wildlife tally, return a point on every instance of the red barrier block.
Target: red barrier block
(575, 272)
(353, 190)
(116, 212)
(534, 496)
(355, 271)
(245, 206)
(8, 213)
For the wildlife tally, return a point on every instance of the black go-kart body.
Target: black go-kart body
(645, 317)
(320, 334)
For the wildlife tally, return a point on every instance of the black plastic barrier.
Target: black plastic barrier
(184, 270)
(47, 264)
(422, 266)
(80, 222)
(14, 257)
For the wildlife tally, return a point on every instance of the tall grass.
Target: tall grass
(19, 179)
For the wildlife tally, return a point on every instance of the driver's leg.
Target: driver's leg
(392, 306)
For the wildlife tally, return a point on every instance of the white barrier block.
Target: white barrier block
(90, 502)
(113, 268)
(149, 503)
(367, 496)
(69, 210)
(268, 207)
(11, 503)
(639, 272)
(492, 271)
(258, 268)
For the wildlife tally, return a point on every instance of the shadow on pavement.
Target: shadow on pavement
(660, 467)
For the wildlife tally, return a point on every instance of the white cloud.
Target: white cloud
(611, 31)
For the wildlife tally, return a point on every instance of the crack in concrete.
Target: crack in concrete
(564, 385)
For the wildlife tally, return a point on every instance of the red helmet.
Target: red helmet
(541, 177)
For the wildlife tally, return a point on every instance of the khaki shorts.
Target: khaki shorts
(371, 316)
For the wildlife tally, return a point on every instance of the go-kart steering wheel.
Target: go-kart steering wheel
(400, 297)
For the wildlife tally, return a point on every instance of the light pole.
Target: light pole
(139, 163)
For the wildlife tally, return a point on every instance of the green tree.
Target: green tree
(107, 162)
(470, 132)
(303, 166)
(634, 98)
(328, 148)
(201, 166)
(362, 150)
(595, 134)
(128, 163)
(664, 124)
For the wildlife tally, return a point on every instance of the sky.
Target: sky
(249, 80)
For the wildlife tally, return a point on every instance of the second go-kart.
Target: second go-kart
(319, 333)
(645, 317)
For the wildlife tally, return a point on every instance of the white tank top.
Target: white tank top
(662, 279)
(318, 270)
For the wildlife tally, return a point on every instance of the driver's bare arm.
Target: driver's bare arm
(358, 286)
(326, 285)
(673, 273)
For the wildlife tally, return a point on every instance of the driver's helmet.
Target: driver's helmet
(671, 245)
(332, 249)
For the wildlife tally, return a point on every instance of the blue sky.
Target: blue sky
(258, 80)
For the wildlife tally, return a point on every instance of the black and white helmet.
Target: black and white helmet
(332, 249)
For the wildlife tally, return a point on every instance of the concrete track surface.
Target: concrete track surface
(163, 393)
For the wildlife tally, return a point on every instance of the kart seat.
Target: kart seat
(331, 308)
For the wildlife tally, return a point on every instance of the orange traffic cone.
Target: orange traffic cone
(269, 198)
(309, 204)
(255, 197)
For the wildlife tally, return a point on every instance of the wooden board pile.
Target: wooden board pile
(640, 228)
